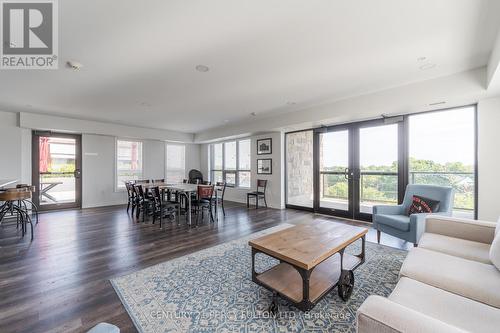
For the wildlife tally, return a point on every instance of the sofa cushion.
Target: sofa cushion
(400, 222)
(495, 252)
(468, 278)
(456, 247)
(497, 228)
(452, 309)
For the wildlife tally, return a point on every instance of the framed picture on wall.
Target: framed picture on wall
(264, 166)
(264, 146)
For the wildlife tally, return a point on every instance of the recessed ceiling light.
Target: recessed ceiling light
(145, 104)
(427, 66)
(226, 121)
(421, 58)
(291, 103)
(202, 68)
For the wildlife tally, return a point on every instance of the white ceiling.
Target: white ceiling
(140, 57)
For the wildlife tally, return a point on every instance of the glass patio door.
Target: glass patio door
(357, 167)
(56, 170)
(335, 175)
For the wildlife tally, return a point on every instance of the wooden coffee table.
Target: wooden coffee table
(309, 267)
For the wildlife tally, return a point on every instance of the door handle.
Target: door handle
(77, 173)
(346, 173)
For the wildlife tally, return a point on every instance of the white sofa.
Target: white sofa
(447, 284)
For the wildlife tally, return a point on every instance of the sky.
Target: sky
(446, 136)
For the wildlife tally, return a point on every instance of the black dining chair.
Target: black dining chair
(131, 196)
(142, 201)
(160, 207)
(204, 199)
(259, 193)
(195, 176)
(221, 187)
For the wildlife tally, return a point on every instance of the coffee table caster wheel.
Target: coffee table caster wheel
(346, 285)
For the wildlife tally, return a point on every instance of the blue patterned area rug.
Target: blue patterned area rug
(212, 291)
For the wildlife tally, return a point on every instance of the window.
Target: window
(442, 152)
(175, 163)
(244, 163)
(128, 162)
(230, 162)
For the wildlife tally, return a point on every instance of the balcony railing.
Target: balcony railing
(382, 187)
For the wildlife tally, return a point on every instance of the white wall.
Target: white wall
(274, 193)
(15, 149)
(98, 155)
(489, 159)
(98, 173)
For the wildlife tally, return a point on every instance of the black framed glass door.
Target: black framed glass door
(56, 170)
(356, 167)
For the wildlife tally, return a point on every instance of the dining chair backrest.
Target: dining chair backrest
(184, 181)
(143, 181)
(155, 192)
(195, 175)
(139, 191)
(206, 182)
(130, 189)
(222, 186)
(205, 192)
(159, 180)
(261, 185)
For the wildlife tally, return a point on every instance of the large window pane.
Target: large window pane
(217, 158)
(244, 179)
(231, 178)
(299, 168)
(333, 161)
(57, 158)
(217, 176)
(230, 155)
(378, 153)
(128, 162)
(442, 152)
(175, 161)
(244, 154)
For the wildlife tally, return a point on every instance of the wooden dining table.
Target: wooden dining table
(187, 189)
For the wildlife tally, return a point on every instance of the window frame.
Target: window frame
(117, 186)
(166, 159)
(237, 170)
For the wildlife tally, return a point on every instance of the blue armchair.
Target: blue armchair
(394, 220)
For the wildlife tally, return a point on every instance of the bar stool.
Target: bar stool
(34, 208)
(15, 202)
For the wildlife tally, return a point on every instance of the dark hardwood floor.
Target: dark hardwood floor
(60, 281)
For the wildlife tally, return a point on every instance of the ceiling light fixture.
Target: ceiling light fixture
(253, 114)
(421, 58)
(202, 68)
(74, 65)
(145, 104)
(427, 66)
(291, 103)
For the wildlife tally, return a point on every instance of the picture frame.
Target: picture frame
(265, 166)
(265, 146)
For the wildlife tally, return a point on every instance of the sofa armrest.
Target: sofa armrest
(381, 315)
(388, 209)
(477, 231)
